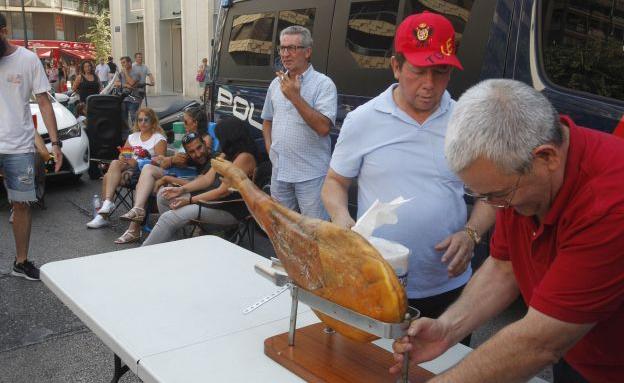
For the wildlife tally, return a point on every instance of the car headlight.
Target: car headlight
(71, 132)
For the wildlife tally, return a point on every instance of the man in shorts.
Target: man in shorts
(21, 74)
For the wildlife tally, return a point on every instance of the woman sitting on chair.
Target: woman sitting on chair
(177, 205)
(148, 135)
(153, 175)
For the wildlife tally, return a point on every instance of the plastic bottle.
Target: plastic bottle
(97, 204)
(178, 133)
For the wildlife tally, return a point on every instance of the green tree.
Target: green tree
(99, 34)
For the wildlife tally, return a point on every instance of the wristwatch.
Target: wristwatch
(58, 143)
(472, 233)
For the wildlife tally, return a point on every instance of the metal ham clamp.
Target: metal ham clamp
(277, 275)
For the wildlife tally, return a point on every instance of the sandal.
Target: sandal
(136, 214)
(128, 237)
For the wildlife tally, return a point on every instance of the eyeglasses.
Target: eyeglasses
(143, 119)
(499, 200)
(289, 48)
(189, 137)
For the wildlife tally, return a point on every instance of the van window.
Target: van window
(583, 45)
(251, 39)
(363, 39)
(301, 17)
(370, 32)
(457, 11)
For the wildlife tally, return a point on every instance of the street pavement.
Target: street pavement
(40, 339)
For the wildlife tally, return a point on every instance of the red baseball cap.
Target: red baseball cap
(427, 39)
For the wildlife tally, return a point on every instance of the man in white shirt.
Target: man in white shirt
(102, 70)
(21, 75)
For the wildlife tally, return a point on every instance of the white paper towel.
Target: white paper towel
(383, 213)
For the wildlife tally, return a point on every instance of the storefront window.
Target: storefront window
(71, 4)
(17, 25)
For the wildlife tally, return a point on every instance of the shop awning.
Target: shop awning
(78, 53)
(44, 53)
(48, 48)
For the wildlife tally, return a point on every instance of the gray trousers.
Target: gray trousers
(304, 196)
(171, 222)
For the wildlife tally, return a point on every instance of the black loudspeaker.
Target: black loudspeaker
(104, 126)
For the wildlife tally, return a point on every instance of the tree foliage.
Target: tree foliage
(99, 34)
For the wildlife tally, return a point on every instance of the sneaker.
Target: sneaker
(107, 208)
(98, 222)
(26, 270)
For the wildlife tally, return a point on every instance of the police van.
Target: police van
(571, 50)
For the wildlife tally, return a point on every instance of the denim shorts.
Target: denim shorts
(19, 176)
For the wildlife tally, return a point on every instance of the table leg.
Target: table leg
(119, 370)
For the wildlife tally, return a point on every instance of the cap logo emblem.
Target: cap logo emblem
(448, 48)
(423, 32)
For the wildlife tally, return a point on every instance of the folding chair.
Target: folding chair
(246, 224)
(235, 233)
(124, 196)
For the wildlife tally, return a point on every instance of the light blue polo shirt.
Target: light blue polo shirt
(297, 152)
(392, 155)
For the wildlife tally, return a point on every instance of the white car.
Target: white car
(71, 133)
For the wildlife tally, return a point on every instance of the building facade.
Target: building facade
(66, 20)
(172, 35)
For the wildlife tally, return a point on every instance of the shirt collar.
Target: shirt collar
(306, 73)
(576, 150)
(386, 104)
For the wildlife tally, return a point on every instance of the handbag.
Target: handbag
(201, 76)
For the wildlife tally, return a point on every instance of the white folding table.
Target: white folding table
(173, 312)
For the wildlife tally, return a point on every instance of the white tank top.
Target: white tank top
(135, 140)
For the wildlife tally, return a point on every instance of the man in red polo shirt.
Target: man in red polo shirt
(559, 242)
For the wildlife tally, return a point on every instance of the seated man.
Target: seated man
(195, 121)
(178, 205)
(152, 178)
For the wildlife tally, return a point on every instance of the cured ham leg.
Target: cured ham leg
(329, 261)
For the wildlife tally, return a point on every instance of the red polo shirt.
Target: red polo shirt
(571, 266)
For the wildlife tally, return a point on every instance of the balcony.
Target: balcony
(81, 6)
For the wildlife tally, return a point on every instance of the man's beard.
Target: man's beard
(4, 46)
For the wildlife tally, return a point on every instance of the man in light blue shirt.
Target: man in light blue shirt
(394, 146)
(299, 110)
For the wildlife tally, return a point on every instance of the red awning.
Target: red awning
(78, 53)
(44, 53)
(44, 48)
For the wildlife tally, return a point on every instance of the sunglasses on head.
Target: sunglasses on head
(189, 137)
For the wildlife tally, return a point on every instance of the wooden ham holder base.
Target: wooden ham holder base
(321, 357)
